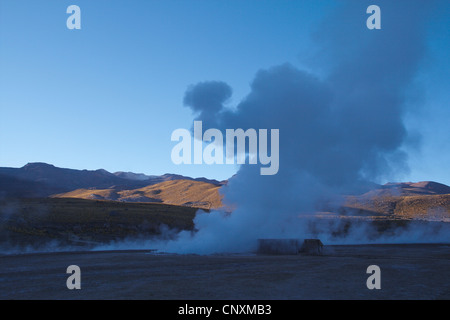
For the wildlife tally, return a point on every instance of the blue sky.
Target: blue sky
(110, 95)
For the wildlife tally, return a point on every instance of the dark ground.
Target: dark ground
(407, 272)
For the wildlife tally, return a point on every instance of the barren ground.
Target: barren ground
(407, 272)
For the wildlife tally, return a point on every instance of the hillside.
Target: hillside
(86, 217)
(424, 207)
(422, 200)
(425, 200)
(15, 187)
(176, 192)
(408, 189)
(64, 179)
(34, 222)
(41, 180)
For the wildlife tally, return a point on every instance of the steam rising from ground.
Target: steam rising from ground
(338, 127)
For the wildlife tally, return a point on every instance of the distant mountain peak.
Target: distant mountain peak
(428, 185)
(132, 175)
(32, 165)
(103, 171)
(412, 188)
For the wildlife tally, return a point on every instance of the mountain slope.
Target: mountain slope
(177, 192)
(15, 187)
(42, 179)
(65, 179)
(426, 200)
(409, 189)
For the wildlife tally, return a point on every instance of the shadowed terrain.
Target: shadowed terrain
(41, 180)
(407, 272)
(34, 223)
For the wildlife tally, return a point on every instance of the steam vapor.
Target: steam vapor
(338, 128)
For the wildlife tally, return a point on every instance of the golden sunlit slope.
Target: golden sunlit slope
(400, 201)
(96, 194)
(178, 192)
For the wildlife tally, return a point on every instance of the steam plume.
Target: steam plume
(338, 127)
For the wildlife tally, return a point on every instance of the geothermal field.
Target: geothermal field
(136, 250)
(238, 150)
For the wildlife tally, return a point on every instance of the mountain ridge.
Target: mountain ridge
(39, 179)
(45, 180)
